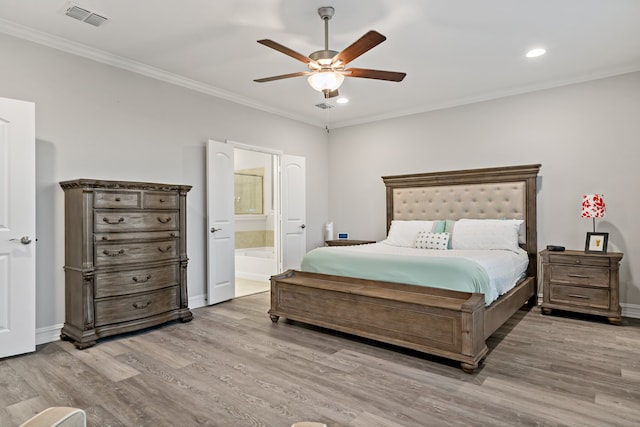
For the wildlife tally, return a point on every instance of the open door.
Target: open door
(294, 236)
(17, 227)
(290, 196)
(220, 223)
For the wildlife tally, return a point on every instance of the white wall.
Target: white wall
(586, 136)
(96, 121)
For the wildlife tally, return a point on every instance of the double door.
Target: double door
(290, 205)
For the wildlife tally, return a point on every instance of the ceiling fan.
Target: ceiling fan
(327, 67)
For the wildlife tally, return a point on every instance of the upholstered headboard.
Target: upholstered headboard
(504, 192)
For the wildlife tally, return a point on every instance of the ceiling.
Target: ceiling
(453, 51)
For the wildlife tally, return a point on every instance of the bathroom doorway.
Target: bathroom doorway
(282, 219)
(256, 220)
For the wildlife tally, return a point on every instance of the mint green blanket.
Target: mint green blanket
(447, 273)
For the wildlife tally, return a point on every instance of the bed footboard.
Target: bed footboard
(440, 322)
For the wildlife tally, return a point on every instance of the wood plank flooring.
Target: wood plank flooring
(231, 366)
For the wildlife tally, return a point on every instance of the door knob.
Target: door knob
(303, 226)
(25, 240)
(213, 229)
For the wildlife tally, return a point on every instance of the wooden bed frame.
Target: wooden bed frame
(444, 323)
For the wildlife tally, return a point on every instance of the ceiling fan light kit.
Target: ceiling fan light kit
(327, 67)
(325, 81)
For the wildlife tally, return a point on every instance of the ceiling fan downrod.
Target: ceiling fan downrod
(326, 13)
(324, 56)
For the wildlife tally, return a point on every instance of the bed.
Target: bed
(448, 323)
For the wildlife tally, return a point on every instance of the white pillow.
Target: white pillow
(429, 240)
(404, 233)
(486, 234)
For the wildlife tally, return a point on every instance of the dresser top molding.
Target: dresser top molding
(95, 183)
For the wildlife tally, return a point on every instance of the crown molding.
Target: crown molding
(79, 49)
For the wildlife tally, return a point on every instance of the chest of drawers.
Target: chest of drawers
(125, 257)
(580, 282)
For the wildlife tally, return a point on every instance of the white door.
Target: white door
(220, 223)
(17, 227)
(294, 237)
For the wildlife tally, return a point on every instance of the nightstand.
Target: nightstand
(347, 242)
(581, 282)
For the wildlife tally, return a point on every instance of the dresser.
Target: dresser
(125, 257)
(581, 282)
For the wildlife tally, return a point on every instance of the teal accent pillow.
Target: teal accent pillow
(448, 228)
(438, 227)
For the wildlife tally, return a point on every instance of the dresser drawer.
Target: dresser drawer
(136, 235)
(159, 200)
(117, 199)
(135, 281)
(109, 221)
(579, 296)
(133, 307)
(111, 254)
(579, 275)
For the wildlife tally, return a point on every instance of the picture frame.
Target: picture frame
(596, 243)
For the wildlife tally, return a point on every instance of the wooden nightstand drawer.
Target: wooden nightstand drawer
(579, 296)
(579, 275)
(564, 258)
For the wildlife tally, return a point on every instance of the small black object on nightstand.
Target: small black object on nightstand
(555, 248)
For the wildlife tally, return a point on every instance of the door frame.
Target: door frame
(277, 191)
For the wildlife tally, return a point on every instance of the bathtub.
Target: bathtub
(255, 263)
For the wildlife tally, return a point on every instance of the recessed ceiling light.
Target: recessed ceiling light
(342, 100)
(533, 53)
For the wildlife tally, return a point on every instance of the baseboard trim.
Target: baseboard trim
(630, 310)
(198, 301)
(48, 334)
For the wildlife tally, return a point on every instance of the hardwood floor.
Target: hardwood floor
(231, 366)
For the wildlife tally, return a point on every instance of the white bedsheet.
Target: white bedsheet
(504, 268)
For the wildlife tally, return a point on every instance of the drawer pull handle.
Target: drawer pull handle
(117, 199)
(167, 249)
(578, 296)
(141, 279)
(172, 234)
(580, 276)
(113, 253)
(105, 238)
(110, 221)
(164, 220)
(161, 200)
(139, 305)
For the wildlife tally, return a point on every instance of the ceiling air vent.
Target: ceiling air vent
(84, 15)
(324, 105)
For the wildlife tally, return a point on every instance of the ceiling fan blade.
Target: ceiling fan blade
(283, 49)
(357, 48)
(282, 76)
(392, 76)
